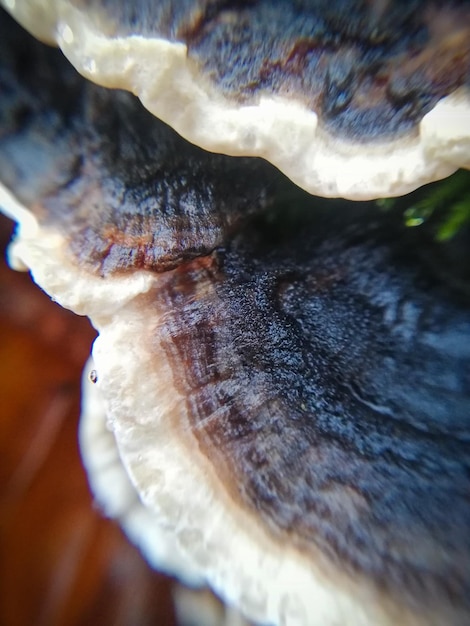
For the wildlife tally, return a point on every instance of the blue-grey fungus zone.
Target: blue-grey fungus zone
(370, 70)
(330, 384)
(322, 347)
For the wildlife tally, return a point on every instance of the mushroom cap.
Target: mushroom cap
(289, 401)
(306, 484)
(317, 457)
(353, 100)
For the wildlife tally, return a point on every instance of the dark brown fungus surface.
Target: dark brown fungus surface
(285, 380)
(126, 190)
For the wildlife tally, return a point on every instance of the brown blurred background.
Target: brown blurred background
(61, 563)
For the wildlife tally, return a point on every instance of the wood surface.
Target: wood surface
(61, 563)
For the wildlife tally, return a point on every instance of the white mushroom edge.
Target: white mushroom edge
(276, 128)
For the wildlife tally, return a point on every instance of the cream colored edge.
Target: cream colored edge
(215, 538)
(43, 251)
(116, 495)
(280, 130)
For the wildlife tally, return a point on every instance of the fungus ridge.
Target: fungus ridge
(145, 199)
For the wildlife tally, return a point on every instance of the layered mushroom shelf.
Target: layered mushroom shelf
(278, 400)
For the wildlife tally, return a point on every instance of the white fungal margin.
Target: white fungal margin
(43, 251)
(115, 494)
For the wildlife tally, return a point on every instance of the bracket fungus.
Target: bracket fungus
(361, 100)
(281, 384)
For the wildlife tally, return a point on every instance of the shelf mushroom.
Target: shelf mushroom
(284, 381)
(355, 100)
